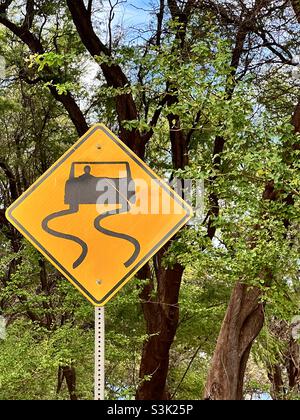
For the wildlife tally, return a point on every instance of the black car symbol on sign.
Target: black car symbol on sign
(90, 189)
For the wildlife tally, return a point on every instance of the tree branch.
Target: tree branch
(90, 7)
(296, 118)
(296, 6)
(11, 180)
(160, 18)
(115, 77)
(28, 21)
(187, 370)
(174, 8)
(271, 47)
(84, 26)
(35, 45)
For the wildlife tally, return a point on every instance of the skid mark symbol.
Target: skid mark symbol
(84, 190)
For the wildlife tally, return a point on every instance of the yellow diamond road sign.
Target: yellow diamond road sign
(99, 214)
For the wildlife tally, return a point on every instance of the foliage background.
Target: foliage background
(49, 325)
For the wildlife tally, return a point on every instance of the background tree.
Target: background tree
(202, 91)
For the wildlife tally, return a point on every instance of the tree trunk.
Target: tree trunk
(162, 314)
(275, 377)
(69, 374)
(293, 368)
(285, 375)
(243, 321)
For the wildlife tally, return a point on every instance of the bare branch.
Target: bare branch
(110, 21)
(226, 16)
(271, 46)
(187, 369)
(160, 18)
(28, 21)
(23, 34)
(115, 77)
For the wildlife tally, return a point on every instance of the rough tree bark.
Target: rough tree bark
(244, 319)
(162, 315)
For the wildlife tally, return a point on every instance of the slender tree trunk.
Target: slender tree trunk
(283, 385)
(162, 311)
(67, 373)
(162, 314)
(275, 377)
(293, 368)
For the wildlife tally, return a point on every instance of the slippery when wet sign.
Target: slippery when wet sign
(99, 214)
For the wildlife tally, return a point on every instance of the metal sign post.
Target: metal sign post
(99, 353)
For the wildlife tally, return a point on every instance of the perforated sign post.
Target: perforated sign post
(98, 215)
